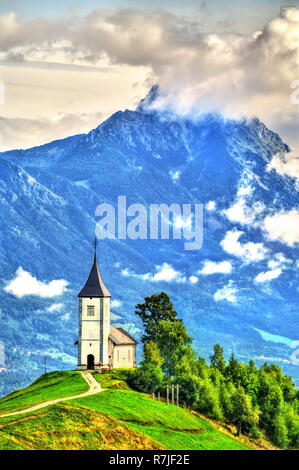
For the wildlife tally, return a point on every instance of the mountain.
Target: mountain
(48, 198)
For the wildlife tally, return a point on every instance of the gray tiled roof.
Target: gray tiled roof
(120, 336)
(94, 286)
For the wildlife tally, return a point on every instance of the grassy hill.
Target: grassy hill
(117, 418)
(47, 387)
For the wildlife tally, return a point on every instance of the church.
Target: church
(101, 345)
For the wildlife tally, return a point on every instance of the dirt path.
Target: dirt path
(94, 387)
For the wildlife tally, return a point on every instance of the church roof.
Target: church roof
(120, 336)
(94, 286)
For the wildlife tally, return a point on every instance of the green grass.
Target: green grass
(114, 379)
(69, 427)
(117, 418)
(172, 426)
(47, 387)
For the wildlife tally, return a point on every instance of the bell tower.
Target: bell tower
(94, 321)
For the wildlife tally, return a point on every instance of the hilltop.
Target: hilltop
(116, 418)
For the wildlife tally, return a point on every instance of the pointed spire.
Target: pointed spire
(95, 249)
(94, 286)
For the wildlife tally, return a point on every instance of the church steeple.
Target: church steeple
(94, 286)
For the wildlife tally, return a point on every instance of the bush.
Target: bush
(280, 433)
(146, 379)
(189, 391)
(208, 400)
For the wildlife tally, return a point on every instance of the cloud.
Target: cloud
(279, 261)
(164, 273)
(211, 267)
(285, 165)
(249, 252)
(211, 206)
(55, 308)
(115, 303)
(67, 316)
(268, 275)
(283, 227)
(242, 213)
(198, 72)
(244, 209)
(175, 175)
(228, 293)
(25, 284)
(232, 73)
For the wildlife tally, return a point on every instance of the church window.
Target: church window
(90, 311)
(129, 354)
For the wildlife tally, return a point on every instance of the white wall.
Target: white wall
(89, 342)
(124, 356)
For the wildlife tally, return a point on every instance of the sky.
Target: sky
(65, 66)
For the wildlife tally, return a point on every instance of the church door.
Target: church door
(90, 362)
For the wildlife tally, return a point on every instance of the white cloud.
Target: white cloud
(164, 273)
(249, 252)
(115, 303)
(99, 58)
(211, 206)
(175, 175)
(268, 275)
(228, 293)
(242, 213)
(244, 209)
(26, 284)
(283, 227)
(211, 267)
(67, 316)
(245, 190)
(285, 165)
(55, 308)
(278, 261)
(233, 73)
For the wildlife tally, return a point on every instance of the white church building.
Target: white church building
(101, 345)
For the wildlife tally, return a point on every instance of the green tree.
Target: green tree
(208, 401)
(234, 371)
(270, 400)
(149, 376)
(152, 356)
(155, 308)
(202, 369)
(173, 342)
(243, 416)
(292, 424)
(226, 391)
(217, 359)
(189, 391)
(280, 432)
